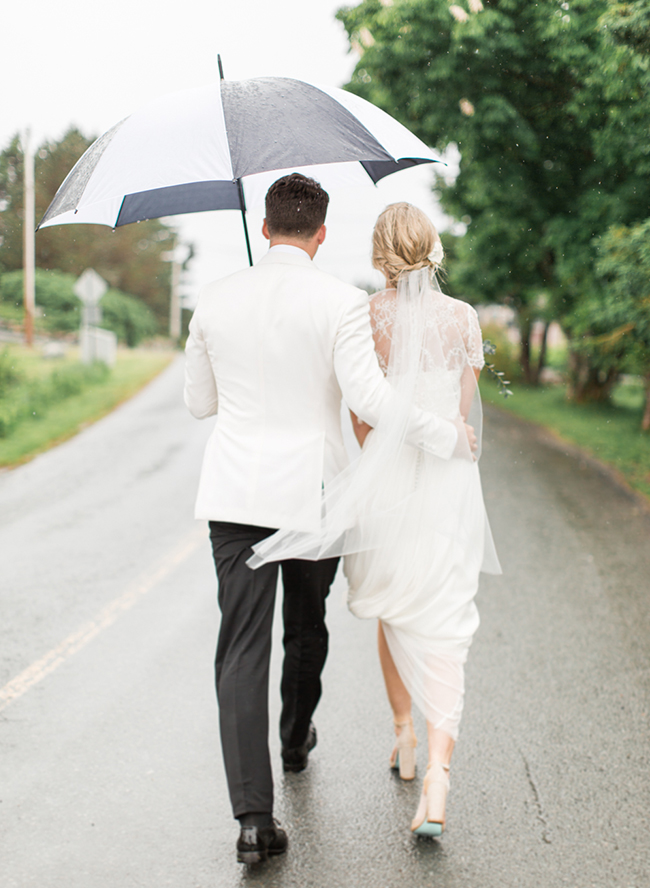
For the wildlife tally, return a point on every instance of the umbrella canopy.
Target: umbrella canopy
(220, 146)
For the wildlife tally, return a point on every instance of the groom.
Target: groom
(272, 350)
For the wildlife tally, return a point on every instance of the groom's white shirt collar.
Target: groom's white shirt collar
(289, 248)
(285, 254)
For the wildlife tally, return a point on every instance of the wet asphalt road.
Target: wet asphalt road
(110, 770)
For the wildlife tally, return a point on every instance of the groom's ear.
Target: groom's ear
(265, 230)
(320, 234)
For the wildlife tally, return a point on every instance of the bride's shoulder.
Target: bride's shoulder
(451, 301)
(383, 309)
(459, 307)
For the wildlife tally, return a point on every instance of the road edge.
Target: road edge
(552, 438)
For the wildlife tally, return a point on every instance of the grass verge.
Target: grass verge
(609, 432)
(64, 418)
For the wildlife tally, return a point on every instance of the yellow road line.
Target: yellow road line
(106, 617)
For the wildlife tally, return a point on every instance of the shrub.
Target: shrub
(61, 309)
(10, 374)
(129, 318)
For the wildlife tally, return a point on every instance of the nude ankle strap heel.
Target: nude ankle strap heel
(429, 819)
(403, 755)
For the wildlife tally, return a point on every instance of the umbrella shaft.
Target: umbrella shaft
(243, 216)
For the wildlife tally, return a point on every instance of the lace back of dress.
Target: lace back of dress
(429, 365)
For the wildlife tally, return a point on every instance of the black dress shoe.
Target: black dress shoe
(255, 843)
(296, 759)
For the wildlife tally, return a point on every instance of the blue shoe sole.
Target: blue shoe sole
(429, 829)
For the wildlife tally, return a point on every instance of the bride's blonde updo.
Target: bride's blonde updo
(403, 240)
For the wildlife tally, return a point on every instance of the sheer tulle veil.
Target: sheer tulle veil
(370, 503)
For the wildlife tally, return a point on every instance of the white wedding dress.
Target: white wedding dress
(412, 525)
(422, 584)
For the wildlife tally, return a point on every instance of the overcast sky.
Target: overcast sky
(66, 62)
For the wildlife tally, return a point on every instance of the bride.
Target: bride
(413, 526)
(421, 582)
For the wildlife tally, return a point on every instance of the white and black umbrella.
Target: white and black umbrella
(220, 146)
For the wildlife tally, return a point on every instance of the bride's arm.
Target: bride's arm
(360, 428)
(469, 380)
(468, 384)
(381, 339)
(382, 349)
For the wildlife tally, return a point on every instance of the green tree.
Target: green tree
(129, 258)
(621, 148)
(624, 263)
(617, 328)
(521, 89)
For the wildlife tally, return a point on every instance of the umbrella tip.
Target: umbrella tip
(221, 77)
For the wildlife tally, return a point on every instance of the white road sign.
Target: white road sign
(90, 287)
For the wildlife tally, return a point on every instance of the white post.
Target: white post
(174, 256)
(28, 239)
(90, 288)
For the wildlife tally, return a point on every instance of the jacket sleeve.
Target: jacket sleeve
(200, 394)
(365, 389)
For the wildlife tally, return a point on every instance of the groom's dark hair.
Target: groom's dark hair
(296, 206)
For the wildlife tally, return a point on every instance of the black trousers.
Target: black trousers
(246, 600)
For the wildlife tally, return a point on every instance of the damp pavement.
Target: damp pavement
(110, 767)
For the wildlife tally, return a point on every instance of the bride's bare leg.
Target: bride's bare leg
(398, 697)
(441, 745)
(403, 755)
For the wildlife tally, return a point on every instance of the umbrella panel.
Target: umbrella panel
(275, 122)
(70, 192)
(193, 197)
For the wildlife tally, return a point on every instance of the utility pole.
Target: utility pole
(28, 238)
(175, 302)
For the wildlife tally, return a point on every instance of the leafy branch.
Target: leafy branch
(489, 348)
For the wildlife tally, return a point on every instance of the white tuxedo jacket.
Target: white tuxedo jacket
(272, 349)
